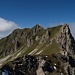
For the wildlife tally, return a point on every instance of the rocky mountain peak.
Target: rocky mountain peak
(37, 33)
(65, 29)
(37, 26)
(36, 29)
(48, 51)
(66, 40)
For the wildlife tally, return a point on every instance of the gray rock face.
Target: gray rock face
(45, 37)
(18, 37)
(66, 41)
(29, 42)
(36, 29)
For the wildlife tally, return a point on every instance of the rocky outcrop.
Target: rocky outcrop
(66, 41)
(17, 38)
(39, 51)
(36, 29)
(45, 37)
(29, 65)
(29, 42)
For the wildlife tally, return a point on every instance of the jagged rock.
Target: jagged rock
(42, 39)
(36, 29)
(45, 37)
(47, 33)
(64, 38)
(29, 42)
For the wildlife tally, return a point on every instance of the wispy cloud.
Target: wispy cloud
(6, 27)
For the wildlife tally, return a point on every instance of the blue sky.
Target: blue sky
(27, 13)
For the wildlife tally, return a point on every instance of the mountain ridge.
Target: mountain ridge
(25, 34)
(37, 41)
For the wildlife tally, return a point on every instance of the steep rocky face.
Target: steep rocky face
(17, 38)
(66, 41)
(48, 51)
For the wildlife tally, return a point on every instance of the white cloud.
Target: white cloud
(6, 27)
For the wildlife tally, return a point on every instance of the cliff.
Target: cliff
(49, 51)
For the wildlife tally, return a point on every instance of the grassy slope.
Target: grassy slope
(54, 31)
(54, 47)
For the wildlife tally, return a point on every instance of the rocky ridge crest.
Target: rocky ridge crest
(54, 44)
